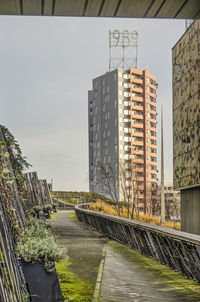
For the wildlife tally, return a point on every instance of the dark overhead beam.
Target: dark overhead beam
(21, 7)
(197, 15)
(53, 7)
(101, 8)
(117, 8)
(85, 7)
(180, 9)
(148, 9)
(42, 7)
(159, 8)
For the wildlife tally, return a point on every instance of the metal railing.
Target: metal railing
(178, 250)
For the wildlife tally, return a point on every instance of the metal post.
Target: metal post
(162, 214)
(109, 50)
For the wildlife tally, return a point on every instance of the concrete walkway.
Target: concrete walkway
(126, 275)
(130, 276)
(84, 247)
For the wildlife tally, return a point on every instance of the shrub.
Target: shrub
(37, 244)
(37, 209)
(47, 207)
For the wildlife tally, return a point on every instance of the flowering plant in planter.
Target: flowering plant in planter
(37, 244)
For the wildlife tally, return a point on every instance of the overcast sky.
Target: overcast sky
(46, 69)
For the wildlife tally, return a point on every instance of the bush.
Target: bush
(37, 244)
(37, 209)
(47, 207)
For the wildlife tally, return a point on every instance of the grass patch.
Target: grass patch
(53, 216)
(73, 216)
(73, 288)
(161, 274)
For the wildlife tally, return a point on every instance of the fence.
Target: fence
(178, 250)
(36, 190)
(12, 283)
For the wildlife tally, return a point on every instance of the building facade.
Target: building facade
(186, 125)
(122, 136)
(172, 203)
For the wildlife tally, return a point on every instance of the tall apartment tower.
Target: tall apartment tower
(122, 135)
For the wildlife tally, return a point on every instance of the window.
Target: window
(126, 76)
(126, 85)
(126, 94)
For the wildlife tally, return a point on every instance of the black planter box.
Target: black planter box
(42, 286)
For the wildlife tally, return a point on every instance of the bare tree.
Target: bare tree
(107, 183)
(125, 186)
(121, 183)
(154, 199)
(136, 192)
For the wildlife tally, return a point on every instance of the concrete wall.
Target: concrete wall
(186, 110)
(190, 210)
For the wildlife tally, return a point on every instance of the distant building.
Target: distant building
(186, 125)
(122, 134)
(172, 203)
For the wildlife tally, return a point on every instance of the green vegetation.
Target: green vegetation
(53, 216)
(73, 288)
(161, 274)
(73, 216)
(84, 197)
(37, 244)
(19, 162)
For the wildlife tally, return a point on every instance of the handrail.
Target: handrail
(178, 250)
(192, 238)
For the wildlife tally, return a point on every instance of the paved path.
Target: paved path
(127, 275)
(130, 276)
(84, 246)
